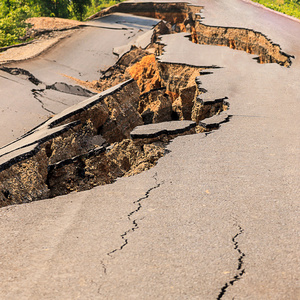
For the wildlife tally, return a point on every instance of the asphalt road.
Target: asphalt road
(219, 213)
(80, 56)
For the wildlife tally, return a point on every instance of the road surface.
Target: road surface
(80, 56)
(217, 218)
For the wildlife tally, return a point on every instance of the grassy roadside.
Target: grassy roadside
(288, 7)
(14, 13)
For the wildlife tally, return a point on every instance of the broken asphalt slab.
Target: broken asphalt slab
(215, 121)
(168, 128)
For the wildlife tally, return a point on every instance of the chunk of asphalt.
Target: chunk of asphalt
(141, 41)
(155, 130)
(70, 89)
(208, 101)
(214, 121)
(21, 148)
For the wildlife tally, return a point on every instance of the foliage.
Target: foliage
(288, 7)
(13, 14)
(97, 5)
(12, 21)
(53, 8)
(79, 8)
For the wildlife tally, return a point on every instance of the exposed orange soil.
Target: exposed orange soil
(146, 74)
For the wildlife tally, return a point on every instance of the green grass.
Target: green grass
(13, 14)
(288, 7)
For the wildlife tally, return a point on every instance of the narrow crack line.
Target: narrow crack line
(240, 271)
(61, 65)
(56, 101)
(48, 98)
(36, 94)
(104, 267)
(135, 225)
(11, 80)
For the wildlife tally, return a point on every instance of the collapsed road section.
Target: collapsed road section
(94, 142)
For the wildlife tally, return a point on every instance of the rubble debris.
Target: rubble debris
(155, 106)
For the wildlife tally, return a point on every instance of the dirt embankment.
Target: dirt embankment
(49, 24)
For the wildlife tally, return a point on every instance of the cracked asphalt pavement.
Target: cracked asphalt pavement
(216, 218)
(80, 56)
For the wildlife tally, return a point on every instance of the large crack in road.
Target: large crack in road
(73, 161)
(186, 17)
(165, 92)
(105, 137)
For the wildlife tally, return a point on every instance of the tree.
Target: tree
(79, 8)
(13, 14)
(54, 8)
